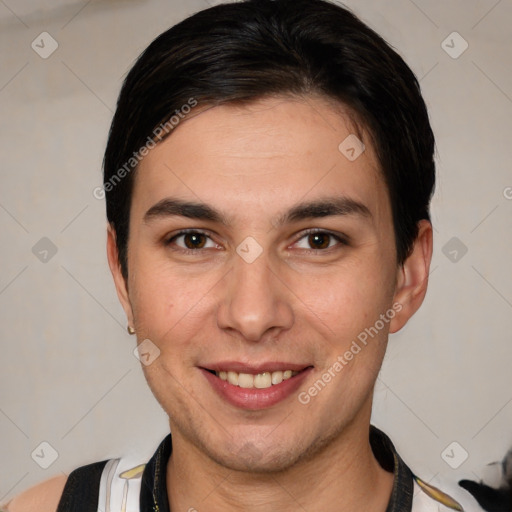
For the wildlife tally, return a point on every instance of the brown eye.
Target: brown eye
(322, 241)
(319, 240)
(191, 241)
(194, 240)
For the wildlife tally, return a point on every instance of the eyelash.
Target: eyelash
(342, 241)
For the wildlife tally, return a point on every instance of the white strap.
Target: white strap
(120, 485)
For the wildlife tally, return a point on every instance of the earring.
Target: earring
(130, 329)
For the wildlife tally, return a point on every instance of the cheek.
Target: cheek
(172, 307)
(350, 297)
(159, 299)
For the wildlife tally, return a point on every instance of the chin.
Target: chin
(251, 459)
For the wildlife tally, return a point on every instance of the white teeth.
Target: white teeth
(260, 381)
(245, 380)
(277, 377)
(233, 378)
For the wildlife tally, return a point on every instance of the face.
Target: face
(256, 247)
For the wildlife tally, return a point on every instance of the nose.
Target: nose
(255, 303)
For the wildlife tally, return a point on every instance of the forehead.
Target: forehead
(264, 154)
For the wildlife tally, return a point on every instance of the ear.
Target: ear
(412, 278)
(119, 280)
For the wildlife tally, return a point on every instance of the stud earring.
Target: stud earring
(130, 329)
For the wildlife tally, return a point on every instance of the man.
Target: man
(268, 176)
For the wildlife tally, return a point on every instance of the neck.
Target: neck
(343, 477)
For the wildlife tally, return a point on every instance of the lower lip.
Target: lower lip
(254, 398)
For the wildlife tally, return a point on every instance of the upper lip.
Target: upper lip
(254, 368)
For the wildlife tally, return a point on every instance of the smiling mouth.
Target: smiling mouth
(262, 380)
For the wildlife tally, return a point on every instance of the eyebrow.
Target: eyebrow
(170, 207)
(326, 207)
(330, 206)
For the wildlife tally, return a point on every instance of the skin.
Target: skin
(293, 303)
(43, 497)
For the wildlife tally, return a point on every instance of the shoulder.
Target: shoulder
(43, 497)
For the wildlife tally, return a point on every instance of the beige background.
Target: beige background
(69, 377)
